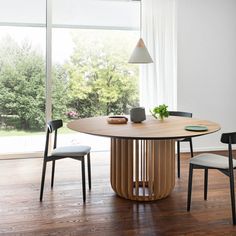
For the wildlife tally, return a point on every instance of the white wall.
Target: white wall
(207, 64)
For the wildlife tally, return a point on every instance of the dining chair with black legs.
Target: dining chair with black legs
(76, 152)
(225, 165)
(183, 114)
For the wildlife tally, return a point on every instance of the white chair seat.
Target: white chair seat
(212, 160)
(71, 151)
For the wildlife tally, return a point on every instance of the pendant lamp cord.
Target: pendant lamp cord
(140, 19)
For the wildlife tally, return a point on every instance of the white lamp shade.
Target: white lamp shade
(140, 54)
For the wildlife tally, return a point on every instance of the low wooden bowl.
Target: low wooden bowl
(117, 120)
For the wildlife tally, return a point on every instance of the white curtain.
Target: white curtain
(158, 84)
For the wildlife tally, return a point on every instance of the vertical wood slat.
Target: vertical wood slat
(149, 166)
(136, 167)
(167, 172)
(163, 169)
(173, 164)
(130, 158)
(141, 166)
(144, 167)
(124, 168)
(141, 169)
(118, 165)
(113, 163)
(152, 167)
(157, 171)
(146, 160)
(168, 159)
(153, 156)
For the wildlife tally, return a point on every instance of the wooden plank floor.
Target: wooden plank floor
(63, 213)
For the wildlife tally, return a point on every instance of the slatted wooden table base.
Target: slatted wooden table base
(142, 170)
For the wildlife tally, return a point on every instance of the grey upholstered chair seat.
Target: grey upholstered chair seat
(212, 160)
(71, 151)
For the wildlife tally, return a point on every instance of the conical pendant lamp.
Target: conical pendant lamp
(140, 53)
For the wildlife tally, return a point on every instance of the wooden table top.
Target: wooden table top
(170, 128)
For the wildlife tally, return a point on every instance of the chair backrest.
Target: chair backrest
(229, 138)
(180, 113)
(52, 126)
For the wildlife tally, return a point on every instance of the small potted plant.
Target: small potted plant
(160, 112)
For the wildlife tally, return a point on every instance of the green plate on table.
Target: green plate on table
(196, 128)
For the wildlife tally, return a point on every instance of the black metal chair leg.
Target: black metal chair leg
(53, 170)
(191, 147)
(232, 193)
(205, 183)
(190, 178)
(89, 170)
(83, 179)
(43, 179)
(178, 158)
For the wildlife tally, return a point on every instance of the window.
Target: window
(91, 44)
(22, 75)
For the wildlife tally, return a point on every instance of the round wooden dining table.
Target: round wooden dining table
(143, 154)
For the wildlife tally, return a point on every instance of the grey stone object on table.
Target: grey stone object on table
(137, 114)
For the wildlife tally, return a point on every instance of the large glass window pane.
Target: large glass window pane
(22, 76)
(91, 44)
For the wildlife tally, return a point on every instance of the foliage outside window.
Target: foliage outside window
(96, 80)
(22, 86)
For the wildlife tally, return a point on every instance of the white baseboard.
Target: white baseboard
(8, 156)
(11, 156)
(40, 154)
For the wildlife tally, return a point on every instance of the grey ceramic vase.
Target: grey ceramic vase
(137, 114)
